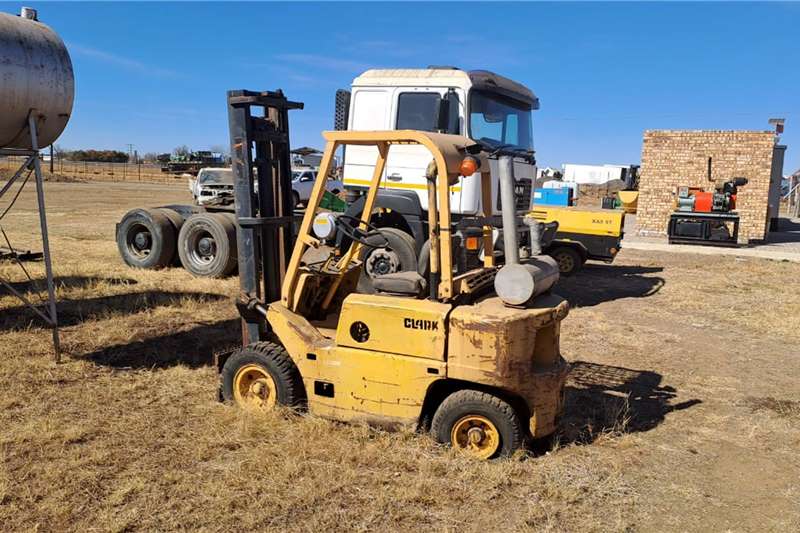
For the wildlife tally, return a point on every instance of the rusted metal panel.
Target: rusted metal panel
(516, 350)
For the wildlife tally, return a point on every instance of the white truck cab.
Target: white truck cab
(488, 108)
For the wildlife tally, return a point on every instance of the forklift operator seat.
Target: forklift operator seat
(408, 283)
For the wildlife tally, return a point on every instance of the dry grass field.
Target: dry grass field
(683, 407)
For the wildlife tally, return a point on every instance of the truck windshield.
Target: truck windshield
(497, 121)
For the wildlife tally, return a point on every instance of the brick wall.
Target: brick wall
(672, 158)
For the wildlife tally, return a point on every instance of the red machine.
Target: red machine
(722, 200)
(704, 217)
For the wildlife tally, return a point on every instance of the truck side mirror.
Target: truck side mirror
(447, 121)
(342, 110)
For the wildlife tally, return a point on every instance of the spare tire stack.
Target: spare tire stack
(204, 243)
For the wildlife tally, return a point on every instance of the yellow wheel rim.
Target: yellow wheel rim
(475, 436)
(254, 388)
(565, 262)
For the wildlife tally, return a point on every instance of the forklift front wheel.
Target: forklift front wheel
(253, 387)
(260, 376)
(477, 424)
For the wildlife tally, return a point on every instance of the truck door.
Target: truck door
(369, 111)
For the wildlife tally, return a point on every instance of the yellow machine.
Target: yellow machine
(630, 201)
(442, 353)
(582, 234)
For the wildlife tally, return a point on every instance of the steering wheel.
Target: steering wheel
(350, 227)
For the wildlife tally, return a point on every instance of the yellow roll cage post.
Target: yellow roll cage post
(447, 152)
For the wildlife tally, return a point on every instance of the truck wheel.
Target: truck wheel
(146, 239)
(569, 259)
(477, 424)
(399, 256)
(176, 218)
(207, 245)
(177, 221)
(260, 376)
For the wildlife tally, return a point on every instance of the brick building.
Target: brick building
(672, 158)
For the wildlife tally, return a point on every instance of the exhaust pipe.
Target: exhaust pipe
(517, 284)
(505, 171)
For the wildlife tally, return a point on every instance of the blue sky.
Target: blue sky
(155, 74)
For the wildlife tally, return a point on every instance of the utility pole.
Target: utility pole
(51, 159)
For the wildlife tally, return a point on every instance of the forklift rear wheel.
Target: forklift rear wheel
(207, 245)
(261, 376)
(569, 259)
(146, 239)
(477, 424)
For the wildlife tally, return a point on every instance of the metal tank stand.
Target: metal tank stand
(32, 164)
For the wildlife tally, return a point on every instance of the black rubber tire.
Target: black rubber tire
(177, 221)
(176, 218)
(221, 228)
(275, 360)
(568, 258)
(162, 238)
(424, 261)
(401, 243)
(295, 199)
(471, 402)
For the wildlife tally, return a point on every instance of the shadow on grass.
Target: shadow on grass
(73, 312)
(602, 399)
(598, 283)
(194, 348)
(63, 282)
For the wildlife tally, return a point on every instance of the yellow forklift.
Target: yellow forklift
(472, 356)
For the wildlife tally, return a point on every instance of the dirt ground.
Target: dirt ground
(683, 406)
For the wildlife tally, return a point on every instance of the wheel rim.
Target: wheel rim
(565, 262)
(382, 261)
(203, 247)
(476, 436)
(254, 388)
(139, 241)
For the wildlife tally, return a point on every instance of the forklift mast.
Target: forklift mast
(262, 177)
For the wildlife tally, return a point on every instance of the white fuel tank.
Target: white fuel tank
(35, 73)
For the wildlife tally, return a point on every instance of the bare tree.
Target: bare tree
(182, 150)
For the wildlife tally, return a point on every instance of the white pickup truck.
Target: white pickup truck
(303, 180)
(212, 186)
